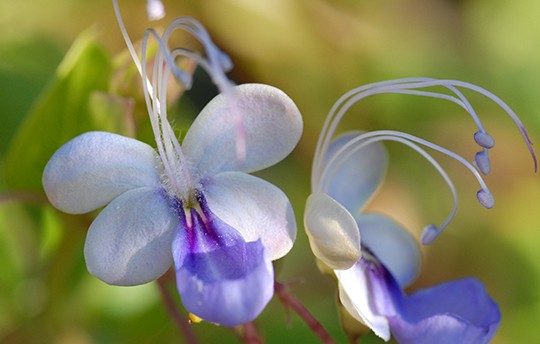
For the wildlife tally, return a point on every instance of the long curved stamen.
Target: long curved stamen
(341, 156)
(482, 138)
(506, 108)
(218, 61)
(392, 86)
(408, 86)
(447, 152)
(168, 147)
(217, 64)
(431, 231)
(327, 134)
(163, 53)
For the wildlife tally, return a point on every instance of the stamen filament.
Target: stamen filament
(393, 133)
(216, 66)
(148, 88)
(360, 142)
(392, 86)
(217, 63)
(430, 232)
(409, 86)
(163, 145)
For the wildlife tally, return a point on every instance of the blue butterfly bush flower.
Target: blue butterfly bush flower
(192, 205)
(373, 257)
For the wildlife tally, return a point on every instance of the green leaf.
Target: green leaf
(22, 79)
(60, 114)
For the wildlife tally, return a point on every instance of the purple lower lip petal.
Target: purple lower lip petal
(220, 277)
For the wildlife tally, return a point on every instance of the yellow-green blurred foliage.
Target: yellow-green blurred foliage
(315, 50)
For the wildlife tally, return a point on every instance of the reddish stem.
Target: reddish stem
(250, 334)
(289, 301)
(170, 305)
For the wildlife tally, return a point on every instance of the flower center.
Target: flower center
(201, 231)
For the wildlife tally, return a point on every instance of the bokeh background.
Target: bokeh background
(315, 50)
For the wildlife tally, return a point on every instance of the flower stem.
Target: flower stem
(250, 335)
(289, 301)
(181, 321)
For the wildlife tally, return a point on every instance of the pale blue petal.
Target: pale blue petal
(255, 208)
(92, 169)
(129, 243)
(392, 244)
(270, 125)
(220, 277)
(354, 181)
(451, 313)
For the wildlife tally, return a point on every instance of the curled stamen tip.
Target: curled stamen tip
(182, 77)
(485, 198)
(155, 9)
(225, 62)
(430, 233)
(482, 162)
(484, 139)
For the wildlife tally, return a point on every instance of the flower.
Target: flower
(372, 256)
(192, 204)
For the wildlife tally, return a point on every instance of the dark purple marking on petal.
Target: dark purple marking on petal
(220, 277)
(381, 300)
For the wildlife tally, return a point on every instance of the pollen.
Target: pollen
(194, 319)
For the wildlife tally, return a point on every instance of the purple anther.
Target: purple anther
(484, 139)
(482, 161)
(485, 198)
(430, 233)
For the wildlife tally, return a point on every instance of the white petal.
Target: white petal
(129, 243)
(355, 293)
(271, 124)
(393, 246)
(93, 168)
(332, 231)
(255, 208)
(353, 181)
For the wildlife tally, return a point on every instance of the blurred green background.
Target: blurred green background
(314, 50)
